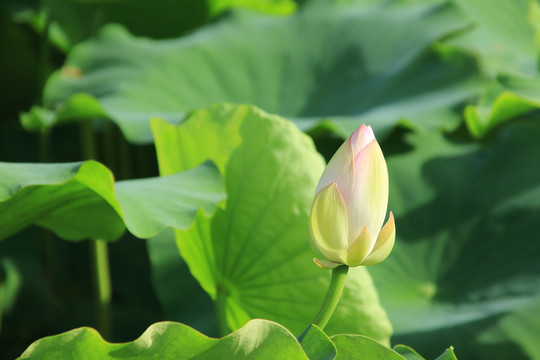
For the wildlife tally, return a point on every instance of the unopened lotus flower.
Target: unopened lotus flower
(350, 205)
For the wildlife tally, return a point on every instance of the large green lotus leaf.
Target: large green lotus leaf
(316, 344)
(467, 246)
(81, 200)
(448, 354)
(521, 327)
(256, 252)
(407, 352)
(345, 64)
(509, 97)
(259, 339)
(357, 347)
(72, 21)
(410, 354)
(504, 34)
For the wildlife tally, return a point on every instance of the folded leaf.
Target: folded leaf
(80, 200)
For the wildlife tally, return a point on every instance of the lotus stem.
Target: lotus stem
(100, 256)
(221, 311)
(337, 284)
(99, 249)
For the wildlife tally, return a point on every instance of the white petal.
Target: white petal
(341, 170)
(369, 197)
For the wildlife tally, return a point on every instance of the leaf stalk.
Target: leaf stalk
(335, 289)
(221, 311)
(103, 291)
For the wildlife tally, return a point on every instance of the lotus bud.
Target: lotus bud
(350, 206)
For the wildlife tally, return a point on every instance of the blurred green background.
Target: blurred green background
(451, 89)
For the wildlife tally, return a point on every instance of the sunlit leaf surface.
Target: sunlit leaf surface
(504, 34)
(80, 200)
(509, 97)
(259, 339)
(256, 251)
(345, 64)
(356, 347)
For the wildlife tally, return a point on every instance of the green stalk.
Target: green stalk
(221, 312)
(44, 147)
(98, 248)
(49, 255)
(48, 240)
(88, 144)
(100, 258)
(337, 284)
